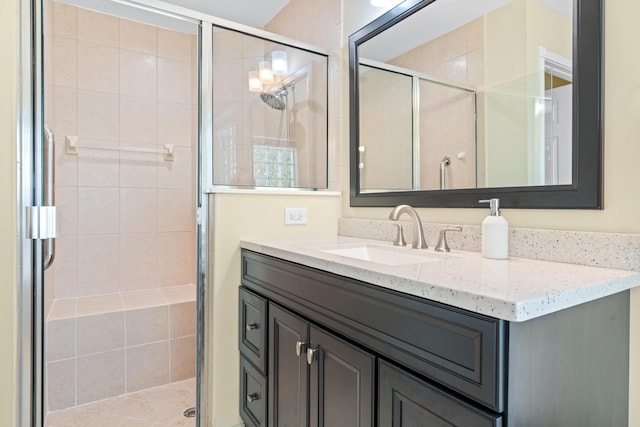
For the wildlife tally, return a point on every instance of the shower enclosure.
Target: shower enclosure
(113, 331)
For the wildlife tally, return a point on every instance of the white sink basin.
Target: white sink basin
(389, 255)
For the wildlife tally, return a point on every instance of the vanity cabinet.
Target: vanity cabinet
(384, 358)
(316, 378)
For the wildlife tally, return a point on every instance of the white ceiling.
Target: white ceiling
(442, 17)
(254, 13)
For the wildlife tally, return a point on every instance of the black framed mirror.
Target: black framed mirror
(387, 60)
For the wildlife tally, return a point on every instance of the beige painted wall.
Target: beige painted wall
(621, 172)
(240, 216)
(8, 233)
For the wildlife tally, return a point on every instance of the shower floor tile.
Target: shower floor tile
(155, 407)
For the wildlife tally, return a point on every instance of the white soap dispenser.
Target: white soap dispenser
(495, 233)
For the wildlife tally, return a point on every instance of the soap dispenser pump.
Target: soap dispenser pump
(495, 233)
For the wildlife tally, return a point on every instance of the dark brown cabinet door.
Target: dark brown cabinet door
(406, 401)
(342, 382)
(288, 372)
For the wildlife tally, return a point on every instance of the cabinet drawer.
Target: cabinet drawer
(253, 329)
(253, 395)
(459, 349)
(405, 400)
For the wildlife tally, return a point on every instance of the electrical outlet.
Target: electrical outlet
(295, 215)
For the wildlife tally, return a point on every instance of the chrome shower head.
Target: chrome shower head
(275, 99)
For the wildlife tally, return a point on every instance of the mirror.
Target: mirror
(453, 101)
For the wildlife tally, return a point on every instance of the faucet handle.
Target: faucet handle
(442, 245)
(399, 237)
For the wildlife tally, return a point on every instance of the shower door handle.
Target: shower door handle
(49, 190)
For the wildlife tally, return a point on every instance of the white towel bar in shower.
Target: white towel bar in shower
(72, 146)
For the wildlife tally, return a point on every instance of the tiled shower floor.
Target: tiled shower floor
(155, 407)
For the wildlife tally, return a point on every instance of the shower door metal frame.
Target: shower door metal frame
(30, 192)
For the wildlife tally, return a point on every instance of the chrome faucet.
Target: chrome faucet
(418, 235)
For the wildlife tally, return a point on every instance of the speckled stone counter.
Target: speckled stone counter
(516, 289)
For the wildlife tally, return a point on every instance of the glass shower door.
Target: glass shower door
(119, 301)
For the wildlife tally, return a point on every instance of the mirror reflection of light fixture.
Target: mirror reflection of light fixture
(255, 85)
(265, 72)
(279, 62)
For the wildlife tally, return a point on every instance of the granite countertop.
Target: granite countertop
(516, 289)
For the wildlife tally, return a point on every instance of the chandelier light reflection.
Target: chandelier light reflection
(265, 72)
(277, 65)
(255, 85)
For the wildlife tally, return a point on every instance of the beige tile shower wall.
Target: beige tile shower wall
(319, 24)
(49, 107)
(126, 220)
(447, 131)
(449, 126)
(229, 51)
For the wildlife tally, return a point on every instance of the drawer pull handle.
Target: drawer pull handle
(301, 347)
(311, 355)
(251, 326)
(252, 397)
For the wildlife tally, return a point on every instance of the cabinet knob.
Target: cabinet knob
(252, 397)
(311, 355)
(301, 347)
(251, 326)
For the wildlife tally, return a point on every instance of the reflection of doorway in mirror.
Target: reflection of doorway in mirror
(558, 119)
